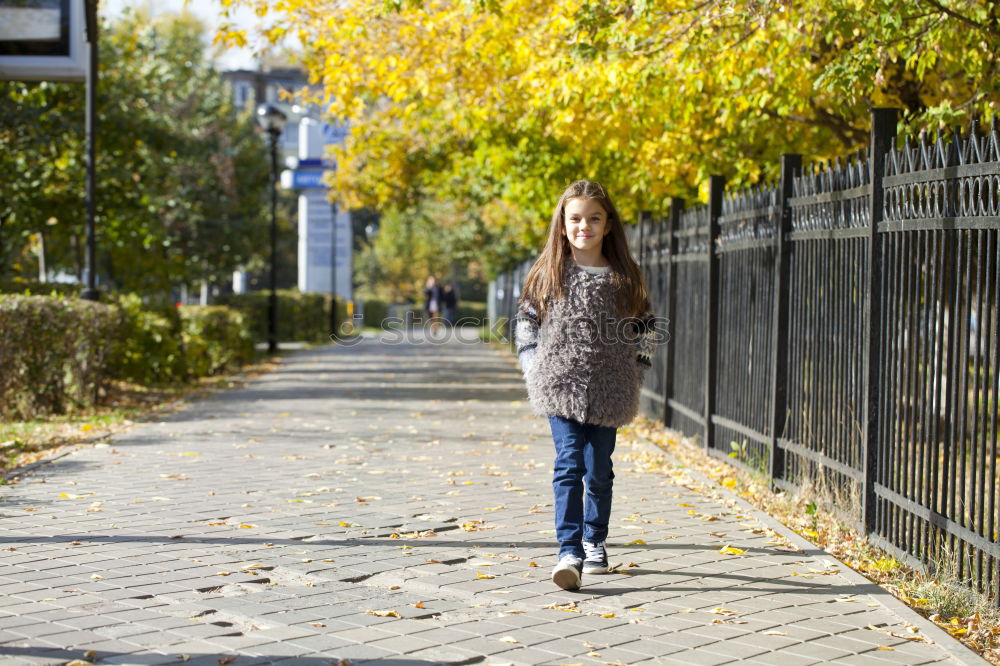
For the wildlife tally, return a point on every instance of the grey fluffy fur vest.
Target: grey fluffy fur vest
(583, 362)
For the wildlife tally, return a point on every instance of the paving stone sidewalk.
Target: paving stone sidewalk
(391, 502)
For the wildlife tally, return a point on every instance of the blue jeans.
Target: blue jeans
(583, 460)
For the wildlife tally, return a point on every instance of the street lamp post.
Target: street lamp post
(272, 120)
(90, 289)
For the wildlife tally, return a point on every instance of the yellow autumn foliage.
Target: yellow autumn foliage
(494, 105)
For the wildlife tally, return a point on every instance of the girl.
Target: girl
(584, 338)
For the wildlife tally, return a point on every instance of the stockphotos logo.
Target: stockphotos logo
(473, 330)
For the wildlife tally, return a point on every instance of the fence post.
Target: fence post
(791, 165)
(645, 218)
(883, 137)
(716, 186)
(673, 222)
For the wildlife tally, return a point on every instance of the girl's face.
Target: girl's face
(586, 223)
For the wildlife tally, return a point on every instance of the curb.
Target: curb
(934, 634)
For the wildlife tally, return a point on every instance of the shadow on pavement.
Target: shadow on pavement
(348, 542)
(228, 659)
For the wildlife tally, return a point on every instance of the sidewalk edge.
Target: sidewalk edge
(951, 646)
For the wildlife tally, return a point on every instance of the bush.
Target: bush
(53, 353)
(301, 317)
(376, 311)
(472, 309)
(148, 349)
(215, 338)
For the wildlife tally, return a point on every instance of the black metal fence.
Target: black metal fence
(839, 329)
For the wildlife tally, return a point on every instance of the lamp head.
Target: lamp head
(271, 118)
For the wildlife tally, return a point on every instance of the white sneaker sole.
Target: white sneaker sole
(567, 579)
(595, 569)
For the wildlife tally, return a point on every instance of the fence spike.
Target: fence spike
(992, 151)
(922, 160)
(911, 152)
(959, 145)
(974, 154)
(895, 158)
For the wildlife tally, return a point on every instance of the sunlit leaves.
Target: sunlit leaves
(497, 105)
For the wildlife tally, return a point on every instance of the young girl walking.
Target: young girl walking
(584, 335)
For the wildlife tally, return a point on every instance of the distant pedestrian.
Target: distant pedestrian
(585, 337)
(450, 304)
(433, 298)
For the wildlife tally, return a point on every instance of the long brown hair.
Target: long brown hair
(544, 281)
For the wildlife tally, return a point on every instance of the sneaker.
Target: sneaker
(596, 560)
(567, 573)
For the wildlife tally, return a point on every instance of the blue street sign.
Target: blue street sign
(307, 179)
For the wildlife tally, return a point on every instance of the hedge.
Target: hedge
(375, 312)
(53, 353)
(61, 353)
(215, 338)
(301, 317)
(148, 349)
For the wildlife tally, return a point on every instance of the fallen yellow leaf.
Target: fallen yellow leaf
(382, 613)
(729, 550)
(480, 574)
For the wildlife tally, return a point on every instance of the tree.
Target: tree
(181, 175)
(496, 105)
